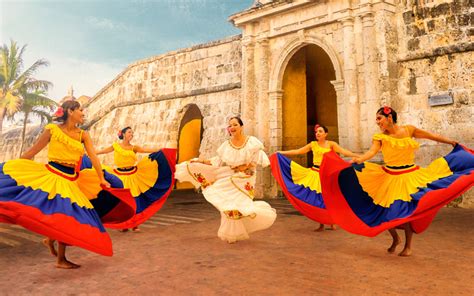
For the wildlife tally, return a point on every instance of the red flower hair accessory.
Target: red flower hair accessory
(387, 110)
(59, 112)
(316, 127)
(119, 134)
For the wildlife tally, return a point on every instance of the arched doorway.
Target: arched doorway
(189, 138)
(308, 98)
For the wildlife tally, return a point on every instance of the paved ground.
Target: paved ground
(178, 253)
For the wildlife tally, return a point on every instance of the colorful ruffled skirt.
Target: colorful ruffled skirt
(367, 199)
(301, 186)
(150, 183)
(232, 194)
(57, 202)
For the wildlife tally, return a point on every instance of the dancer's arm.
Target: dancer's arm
(302, 150)
(139, 149)
(334, 146)
(419, 133)
(104, 151)
(42, 141)
(94, 159)
(376, 145)
(204, 161)
(243, 167)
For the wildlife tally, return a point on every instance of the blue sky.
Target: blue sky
(89, 42)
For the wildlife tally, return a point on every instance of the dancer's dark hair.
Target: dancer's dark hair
(386, 111)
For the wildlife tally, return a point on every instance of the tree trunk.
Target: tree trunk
(23, 132)
(3, 111)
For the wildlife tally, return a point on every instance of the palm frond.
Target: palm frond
(32, 69)
(33, 84)
(11, 102)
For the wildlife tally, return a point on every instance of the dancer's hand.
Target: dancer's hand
(357, 160)
(104, 184)
(240, 168)
(203, 161)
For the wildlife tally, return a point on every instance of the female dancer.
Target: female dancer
(53, 199)
(369, 198)
(228, 181)
(301, 185)
(150, 180)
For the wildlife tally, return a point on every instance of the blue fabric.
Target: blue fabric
(459, 160)
(161, 186)
(105, 202)
(11, 192)
(300, 192)
(145, 199)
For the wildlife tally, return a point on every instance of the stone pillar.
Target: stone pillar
(248, 85)
(275, 121)
(342, 122)
(262, 125)
(262, 75)
(349, 113)
(371, 98)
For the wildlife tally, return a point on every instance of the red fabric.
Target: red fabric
(138, 219)
(401, 172)
(57, 172)
(343, 215)
(124, 211)
(65, 229)
(312, 212)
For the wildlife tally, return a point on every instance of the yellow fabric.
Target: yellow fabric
(305, 177)
(63, 148)
(35, 175)
(142, 180)
(385, 188)
(397, 152)
(318, 152)
(123, 158)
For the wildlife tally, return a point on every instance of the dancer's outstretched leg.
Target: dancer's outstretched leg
(408, 238)
(396, 240)
(321, 228)
(62, 261)
(49, 243)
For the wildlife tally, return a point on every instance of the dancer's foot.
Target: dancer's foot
(136, 229)
(65, 264)
(321, 228)
(405, 253)
(395, 243)
(50, 245)
(123, 230)
(333, 227)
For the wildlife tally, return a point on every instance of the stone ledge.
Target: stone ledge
(169, 53)
(440, 51)
(179, 95)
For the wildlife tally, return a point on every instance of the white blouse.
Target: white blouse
(250, 152)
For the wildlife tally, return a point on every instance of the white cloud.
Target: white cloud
(105, 23)
(86, 77)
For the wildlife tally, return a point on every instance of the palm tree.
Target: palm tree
(35, 103)
(12, 79)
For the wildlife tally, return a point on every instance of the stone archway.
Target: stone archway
(189, 137)
(307, 87)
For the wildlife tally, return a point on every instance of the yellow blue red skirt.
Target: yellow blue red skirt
(150, 183)
(367, 199)
(301, 186)
(54, 200)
